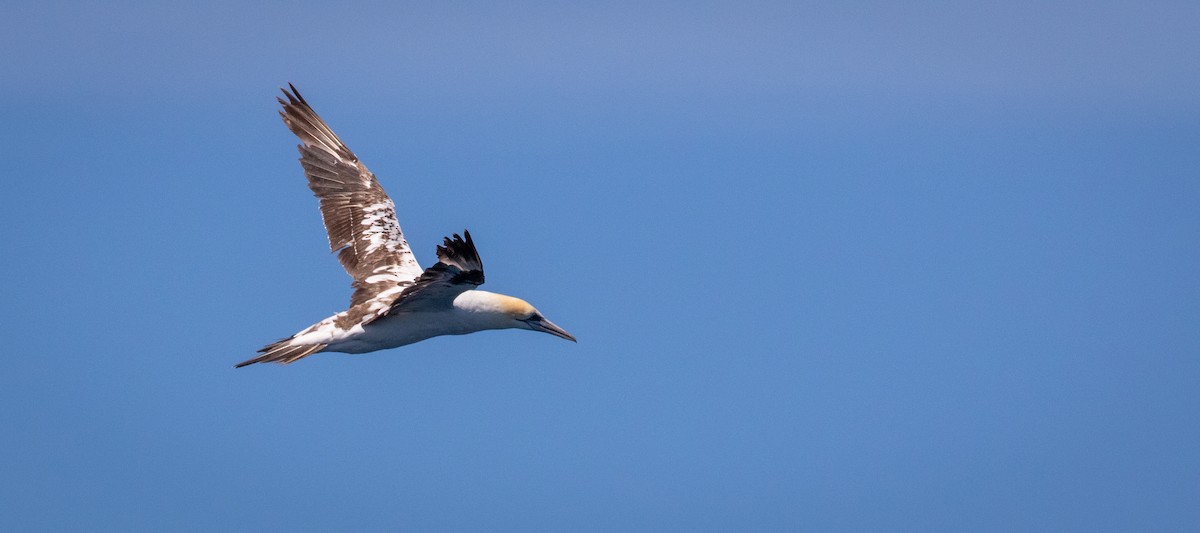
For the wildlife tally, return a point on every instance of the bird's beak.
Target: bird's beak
(547, 326)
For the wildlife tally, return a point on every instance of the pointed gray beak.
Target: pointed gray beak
(547, 326)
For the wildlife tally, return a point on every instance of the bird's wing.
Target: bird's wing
(358, 215)
(458, 270)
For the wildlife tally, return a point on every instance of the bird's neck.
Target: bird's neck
(489, 302)
(484, 310)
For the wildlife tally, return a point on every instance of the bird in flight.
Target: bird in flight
(394, 302)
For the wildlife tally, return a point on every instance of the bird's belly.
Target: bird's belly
(399, 330)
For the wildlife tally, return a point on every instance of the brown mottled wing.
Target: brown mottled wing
(458, 270)
(358, 215)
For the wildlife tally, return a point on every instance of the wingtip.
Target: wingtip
(456, 238)
(299, 97)
(293, 96)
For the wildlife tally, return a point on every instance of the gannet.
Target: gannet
(395, 302)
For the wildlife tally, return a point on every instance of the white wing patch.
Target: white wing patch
(382, 229)
(327, 331)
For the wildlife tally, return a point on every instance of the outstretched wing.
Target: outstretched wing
(358, 215)
(458, 270)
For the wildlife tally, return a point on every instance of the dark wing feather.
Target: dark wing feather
(283, 352)
(359, 216)
(458, 270)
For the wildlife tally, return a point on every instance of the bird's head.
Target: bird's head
(527, 317)
(512, 312)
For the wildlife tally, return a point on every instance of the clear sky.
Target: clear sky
(852, 266)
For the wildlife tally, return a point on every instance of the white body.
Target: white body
(471, 311)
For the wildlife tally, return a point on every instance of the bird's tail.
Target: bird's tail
(284, 351)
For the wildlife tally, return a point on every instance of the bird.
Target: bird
(394, 301)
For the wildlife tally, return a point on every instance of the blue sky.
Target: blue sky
(833, 267)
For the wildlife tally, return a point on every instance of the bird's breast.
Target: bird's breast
(406, 328)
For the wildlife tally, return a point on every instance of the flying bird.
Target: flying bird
(394, 302)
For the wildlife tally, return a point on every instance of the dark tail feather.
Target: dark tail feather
(283, 352)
